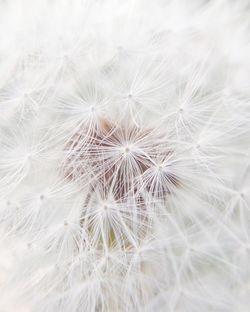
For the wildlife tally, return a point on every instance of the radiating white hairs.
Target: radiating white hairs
(124, 156)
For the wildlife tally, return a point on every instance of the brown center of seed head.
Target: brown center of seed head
(104, 156)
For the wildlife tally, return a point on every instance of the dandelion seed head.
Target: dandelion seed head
(124, 156)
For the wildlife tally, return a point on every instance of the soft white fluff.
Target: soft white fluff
(124, 156)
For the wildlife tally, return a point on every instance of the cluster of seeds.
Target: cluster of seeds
(120, 167)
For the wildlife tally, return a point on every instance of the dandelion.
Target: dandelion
(124, 156)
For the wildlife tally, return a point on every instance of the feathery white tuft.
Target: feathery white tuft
(124, 156)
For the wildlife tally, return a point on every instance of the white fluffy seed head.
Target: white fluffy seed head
(124, 156)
